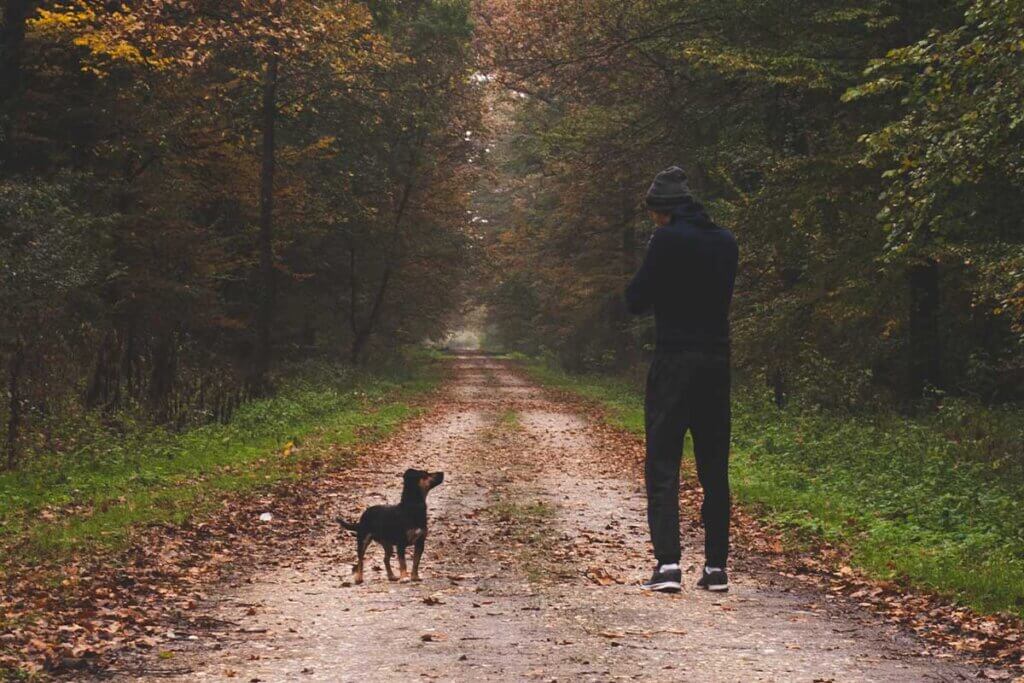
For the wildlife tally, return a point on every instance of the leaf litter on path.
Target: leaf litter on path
(110, 607)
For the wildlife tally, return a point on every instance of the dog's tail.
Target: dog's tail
(348, 525)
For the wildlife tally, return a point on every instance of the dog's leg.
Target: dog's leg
(387, 562)
(417, 554)
(401, 563)
(362, 542)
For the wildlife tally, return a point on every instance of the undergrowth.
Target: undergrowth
(96, 495)
(917, 500)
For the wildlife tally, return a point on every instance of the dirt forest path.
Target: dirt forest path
(536, 548)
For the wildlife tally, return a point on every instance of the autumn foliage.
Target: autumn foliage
(866, 154)
(192, 192)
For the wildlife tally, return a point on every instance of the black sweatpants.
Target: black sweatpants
(688, 391)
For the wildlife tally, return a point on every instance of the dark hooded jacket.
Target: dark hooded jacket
(687, 279)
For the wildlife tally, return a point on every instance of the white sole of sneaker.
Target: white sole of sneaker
(718, 589)
(663, 587)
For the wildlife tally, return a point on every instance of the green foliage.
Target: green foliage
(133, 263)
(859, 282)
(44, 246)
(943, 489)
(953, 158)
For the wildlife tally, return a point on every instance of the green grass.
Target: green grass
(913, 500)
(509, 419)
(508, 510)
(95, 497)
(528, 523)
(522, 519)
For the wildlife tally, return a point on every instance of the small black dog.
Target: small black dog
(397, 525)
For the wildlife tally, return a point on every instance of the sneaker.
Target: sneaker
(667, 581)
(714, 580)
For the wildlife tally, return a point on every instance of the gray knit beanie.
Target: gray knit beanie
(669, 190)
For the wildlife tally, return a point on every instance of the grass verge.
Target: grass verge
(527, 524)
(94, 499)
(524, 521)
(902, 495)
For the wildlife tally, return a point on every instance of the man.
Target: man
(687, 280)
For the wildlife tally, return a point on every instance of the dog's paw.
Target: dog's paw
(416, 578)
(405, 579)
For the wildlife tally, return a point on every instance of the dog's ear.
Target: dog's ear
(413, 475)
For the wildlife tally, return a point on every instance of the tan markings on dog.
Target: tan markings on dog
(401, 565)
(425, 483)
(358, 575)
(413, 535)
(417, 554)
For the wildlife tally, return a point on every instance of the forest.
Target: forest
(867, 154)
(228, 229)
(192, 193)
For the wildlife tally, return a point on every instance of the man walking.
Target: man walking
(687, 280)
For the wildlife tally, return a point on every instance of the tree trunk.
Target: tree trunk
(14, 407)
(161, 383)
(353, 282)
(624, 343)
(12, 39)
(308, 332)
(99, 391)
(925, 350)
(777, 382)
(126, 365)
(267, 274)
(362, 334)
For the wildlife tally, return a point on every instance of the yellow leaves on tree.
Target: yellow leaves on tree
(79, 24)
